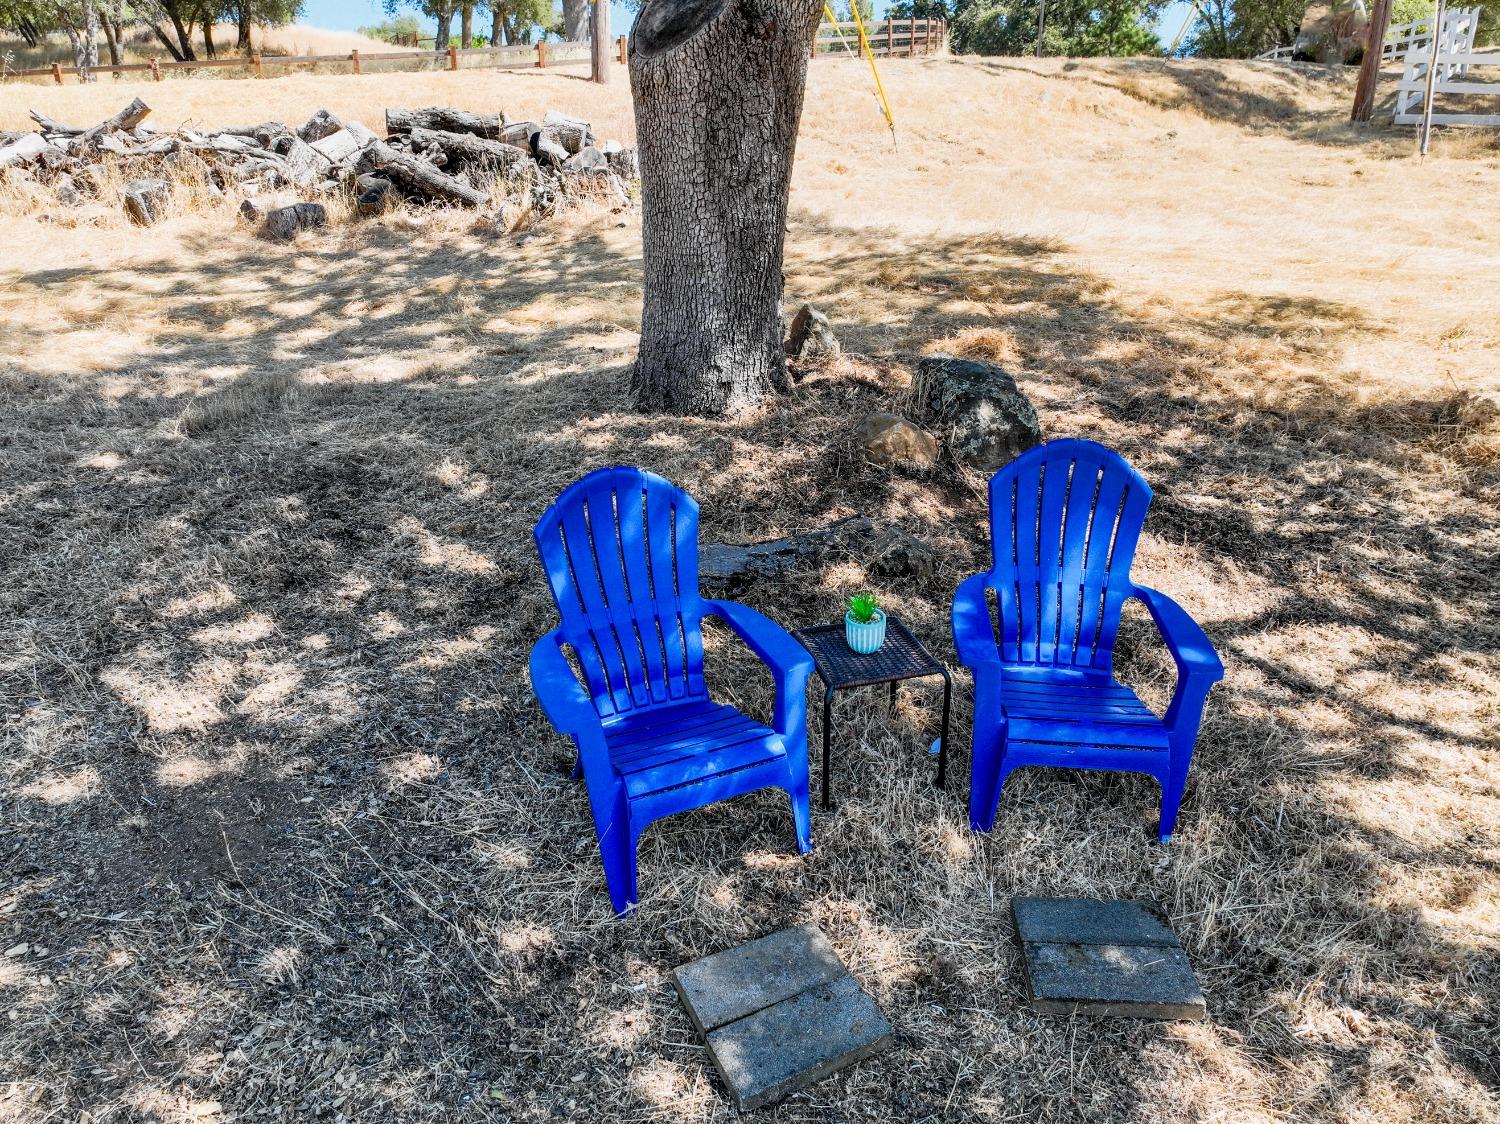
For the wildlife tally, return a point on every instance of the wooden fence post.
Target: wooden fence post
(255, 62)
(452, 58)
(927, 36)
(541, 53)
(57, 73)
(911, 37)
(624, 45)
(354, 60)
(890, 36)
(156, 70)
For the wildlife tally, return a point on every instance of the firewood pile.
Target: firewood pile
(433, 155)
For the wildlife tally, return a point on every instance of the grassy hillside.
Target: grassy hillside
(285, 829)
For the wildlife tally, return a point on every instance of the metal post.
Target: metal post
(1432, 68)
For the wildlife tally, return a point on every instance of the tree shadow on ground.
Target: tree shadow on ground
(292, 831)
(1276, 99)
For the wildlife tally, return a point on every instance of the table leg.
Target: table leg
(942, 773)
(893, 696)
(827, 729)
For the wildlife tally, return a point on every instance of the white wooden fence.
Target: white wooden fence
(1456, 57)
(1400, 40)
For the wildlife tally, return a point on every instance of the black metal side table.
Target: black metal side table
(839, 666)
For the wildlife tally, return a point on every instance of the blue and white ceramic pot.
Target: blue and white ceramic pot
(867, 637)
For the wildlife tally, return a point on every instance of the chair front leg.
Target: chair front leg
(1184, 716)
(987, 770)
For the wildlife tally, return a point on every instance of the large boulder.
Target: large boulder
(811, 336)
(146, 201)
(891, 439)
(977, 408)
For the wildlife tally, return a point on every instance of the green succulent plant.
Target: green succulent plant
(863, 607)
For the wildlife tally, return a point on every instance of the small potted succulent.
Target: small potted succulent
(864, 624)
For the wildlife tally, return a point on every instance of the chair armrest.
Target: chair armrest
(788, 660)
(565, 702)
(1189, 645)
(973, 630)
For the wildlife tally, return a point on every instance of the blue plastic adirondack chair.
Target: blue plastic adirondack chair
(620, 548)
(1064, 519)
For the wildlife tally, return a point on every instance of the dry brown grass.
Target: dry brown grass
(286, 831)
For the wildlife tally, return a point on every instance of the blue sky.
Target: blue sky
(346, 15)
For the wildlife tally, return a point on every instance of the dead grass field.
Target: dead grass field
(287, 837)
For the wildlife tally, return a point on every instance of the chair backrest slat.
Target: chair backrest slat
(1065, 520)
(620, 547)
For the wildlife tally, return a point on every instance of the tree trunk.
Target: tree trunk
(208, 37)
(497, 28)
(466, 26)
(113, 38)
(242, 19)
(444, 33)
(599, 44)
(184, 31)
(575, 20)
(718, 88)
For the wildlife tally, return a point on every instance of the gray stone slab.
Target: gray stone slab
(1136, 981)
(1090, 921)
(789, 1045)
(740, 981)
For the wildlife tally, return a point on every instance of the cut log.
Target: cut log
(55, 128)
(321, 124)
(417, 177)
(519, 133)
(28, 148)
(128, 118)
(443, 119)
(285, 223)
(462, 149)
(573, 133)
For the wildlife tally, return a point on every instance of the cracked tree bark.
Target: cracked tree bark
(718, 87)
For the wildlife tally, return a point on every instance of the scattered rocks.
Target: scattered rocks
(977, 408)
(896, 554)
(891, 439)
(285, 223)
(811, 336)
(146, 201)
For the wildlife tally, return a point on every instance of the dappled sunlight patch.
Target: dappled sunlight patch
(274, 684)
(280, 965)
(249, 629)
(461, 478)
(671, 1091)
(215, 598)
(411, 769)
(170, 701)
(434, 551)
(182, 770)
(105, 460)
(70, 787)
(524, 941)
(444, 653)
(385, 626)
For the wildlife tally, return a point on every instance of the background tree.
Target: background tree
(718, 88)
(1074, 27)
(575, 15)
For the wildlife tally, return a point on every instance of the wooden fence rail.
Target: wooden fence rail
(887, 37)
(506, 58)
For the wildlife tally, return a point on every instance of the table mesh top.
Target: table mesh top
(900, 657)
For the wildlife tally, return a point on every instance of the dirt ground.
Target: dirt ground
(285, 836)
